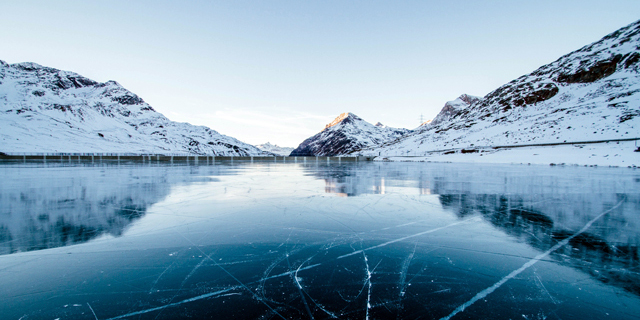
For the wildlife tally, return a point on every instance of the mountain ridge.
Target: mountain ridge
(592, 93)
(275, 149)
(43, 109)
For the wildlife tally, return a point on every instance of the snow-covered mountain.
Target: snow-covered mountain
(275, 149)
(591, 94)
(44, 109)
(347, 133)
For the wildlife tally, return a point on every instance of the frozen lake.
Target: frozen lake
(315, 240)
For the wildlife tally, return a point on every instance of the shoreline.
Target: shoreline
(612, 154)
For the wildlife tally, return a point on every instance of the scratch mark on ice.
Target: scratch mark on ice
(94, 313)
(545, 289)
(400, 225)
(442, 291)
(193, 271)
(153, 285)
(482, 294)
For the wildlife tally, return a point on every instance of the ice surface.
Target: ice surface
(292, 240)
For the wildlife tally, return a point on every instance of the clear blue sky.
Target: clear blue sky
(279, 71)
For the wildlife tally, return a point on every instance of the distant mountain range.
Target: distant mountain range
(275, 149)
(346, 134)
(49, 110)
(591, 94)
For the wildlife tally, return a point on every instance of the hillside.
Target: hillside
(591, 94)
(44, 109)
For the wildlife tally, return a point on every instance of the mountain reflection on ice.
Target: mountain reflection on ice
(43, 208)
(317, 240)
(539, 208)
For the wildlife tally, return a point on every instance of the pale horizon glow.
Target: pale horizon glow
(278, 71)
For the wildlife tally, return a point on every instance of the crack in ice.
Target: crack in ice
(196, 298)
(403, 272)
(94, 313)
(304, 291)
(236, 279)
(295, 277)
(368, 281)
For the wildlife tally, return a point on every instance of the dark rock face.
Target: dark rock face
(632, 60)
(597, 71)
(510, 96)
(62, 108)
(469, 99)
(336, 144)
(129, 99)
(455, 108)
(449, 110)
(67, 82)
(80, 82)
(545, 93)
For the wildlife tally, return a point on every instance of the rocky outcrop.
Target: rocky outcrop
(452, 108)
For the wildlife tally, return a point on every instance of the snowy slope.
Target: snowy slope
(590, 94)
(48, 110)
(275, 149)
(347, 133)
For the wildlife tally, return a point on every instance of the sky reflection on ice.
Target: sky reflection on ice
(273, 240)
